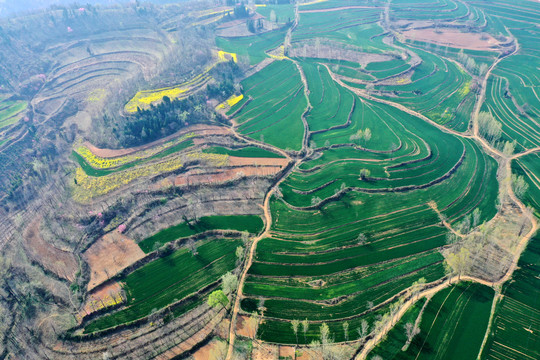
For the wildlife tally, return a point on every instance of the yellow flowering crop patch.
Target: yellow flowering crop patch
(465, 89)
(107, 163)
(212, 159)
(278, 53)
(88, 187)
(222, 56)
(211, 12)
(96, 95)
(231, 101)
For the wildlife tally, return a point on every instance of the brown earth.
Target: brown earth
(61, 262)
(336, 51)
(242, 328)
(242, 167)
(197, 338)
(287, 352)
(263, 351)
(200, 130)
(453, 38)
(106, 296)
(109, 255)
(222, 175)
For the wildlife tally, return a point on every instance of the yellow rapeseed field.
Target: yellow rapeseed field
(88, 187)
(107, 163)
(278, 54)
(144, 98)
(222, 56)
(230, 102)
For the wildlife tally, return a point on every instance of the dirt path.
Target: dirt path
(239, 295)
(433, 205)
(530, 151)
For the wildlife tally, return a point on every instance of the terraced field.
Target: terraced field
(516, 324)
(390, 150)
(172, 279)
(453, 324)
(266, 113)
(363, 119)
(11, 111)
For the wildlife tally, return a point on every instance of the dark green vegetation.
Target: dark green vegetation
(248, 151)
(528, 166)
(515, 332)
(250, 223)
(274, 110)
(166, 118)
(354, 223)
(452, 327)
(170, 279)
(512, 95)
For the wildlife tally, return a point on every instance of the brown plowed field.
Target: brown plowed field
(200, 130)
(242, 167)
(108, 295)
(62, 263)
(453, 38)
(223, 175)
(109, 255)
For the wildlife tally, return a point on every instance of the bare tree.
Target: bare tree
(295, 323)
(361, 239)
(346, 330)
(305, 327)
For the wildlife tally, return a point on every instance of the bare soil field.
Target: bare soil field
(62, 263)
(200, 130)
(287, 352)
(109, 255)
(242, 167)
(242, 328)
(335, 51)
(454, 38)
(108, 295)
(222, 175)
(263, 351)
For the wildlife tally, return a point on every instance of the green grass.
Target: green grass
(275, 110)
(253, 48)
(284, 12)
(453, 326)
(249, 152)
(10, 111)
(250, 223)
(170, 279)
